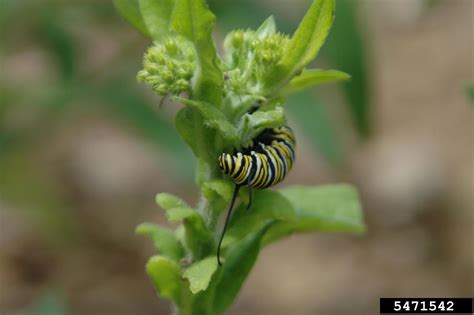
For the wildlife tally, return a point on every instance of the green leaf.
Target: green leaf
(253, 124)
(179, 214)
(166, 276)
(268, 205)
(176, 209)
(169, 201)
(165, 240)
(267, 28)
(239, 261)
(312, 77)
(200, 274)
(193, 20)
(189, 123)
(130, 11)
(310, 35)
(156, 15)
(213, 118)
(198, 237)
(329, 208)
(219, 187)
(305, 43)
(218, 192)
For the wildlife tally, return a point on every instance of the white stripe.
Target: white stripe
(257, 171)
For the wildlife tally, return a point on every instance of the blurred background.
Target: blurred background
(84, 148)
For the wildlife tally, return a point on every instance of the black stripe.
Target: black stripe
(227, 166)
(232, 168)
(284, 162)
(241, 167)
(290, 148)
(273, 169)
(253, 170)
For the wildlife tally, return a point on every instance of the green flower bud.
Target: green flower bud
(237, 39)
(142, 75)
(182, 74)
(269, 49)
(167, 76)
(154, 80)
(162, 89)
(168, 66)
(182, 85)
(171, 65)
(171, 47)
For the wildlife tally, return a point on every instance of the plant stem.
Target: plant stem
(186, 304)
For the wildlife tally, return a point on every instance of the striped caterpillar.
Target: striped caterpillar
(264, 163)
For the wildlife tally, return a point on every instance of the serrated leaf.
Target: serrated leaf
(198, 238)
(164, 239)
(267, 28)
(168, 201)
(130, 11)
(220, 187)
(166, 276)
(312, 77)
(200, 274)
(329, 208)
(178, 214)
(238, 262)
(193, 20)
(156, 16)
(268, 205)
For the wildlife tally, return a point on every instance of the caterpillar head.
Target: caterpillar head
(224, 160)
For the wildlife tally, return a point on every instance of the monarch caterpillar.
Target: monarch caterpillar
(264, 163)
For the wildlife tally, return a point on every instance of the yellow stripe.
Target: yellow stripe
(279, 166)
(284, 150)
(263, 171)
(271, 151)
(238, 161)
(245, 169)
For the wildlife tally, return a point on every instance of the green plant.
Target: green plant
(259, 67)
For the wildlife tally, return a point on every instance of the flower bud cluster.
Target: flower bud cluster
(168, 66)
(250, 57)
(269, 49)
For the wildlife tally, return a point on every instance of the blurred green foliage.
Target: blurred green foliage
(470, 92)
(345, 50)
(49, 303)
(70, 89)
